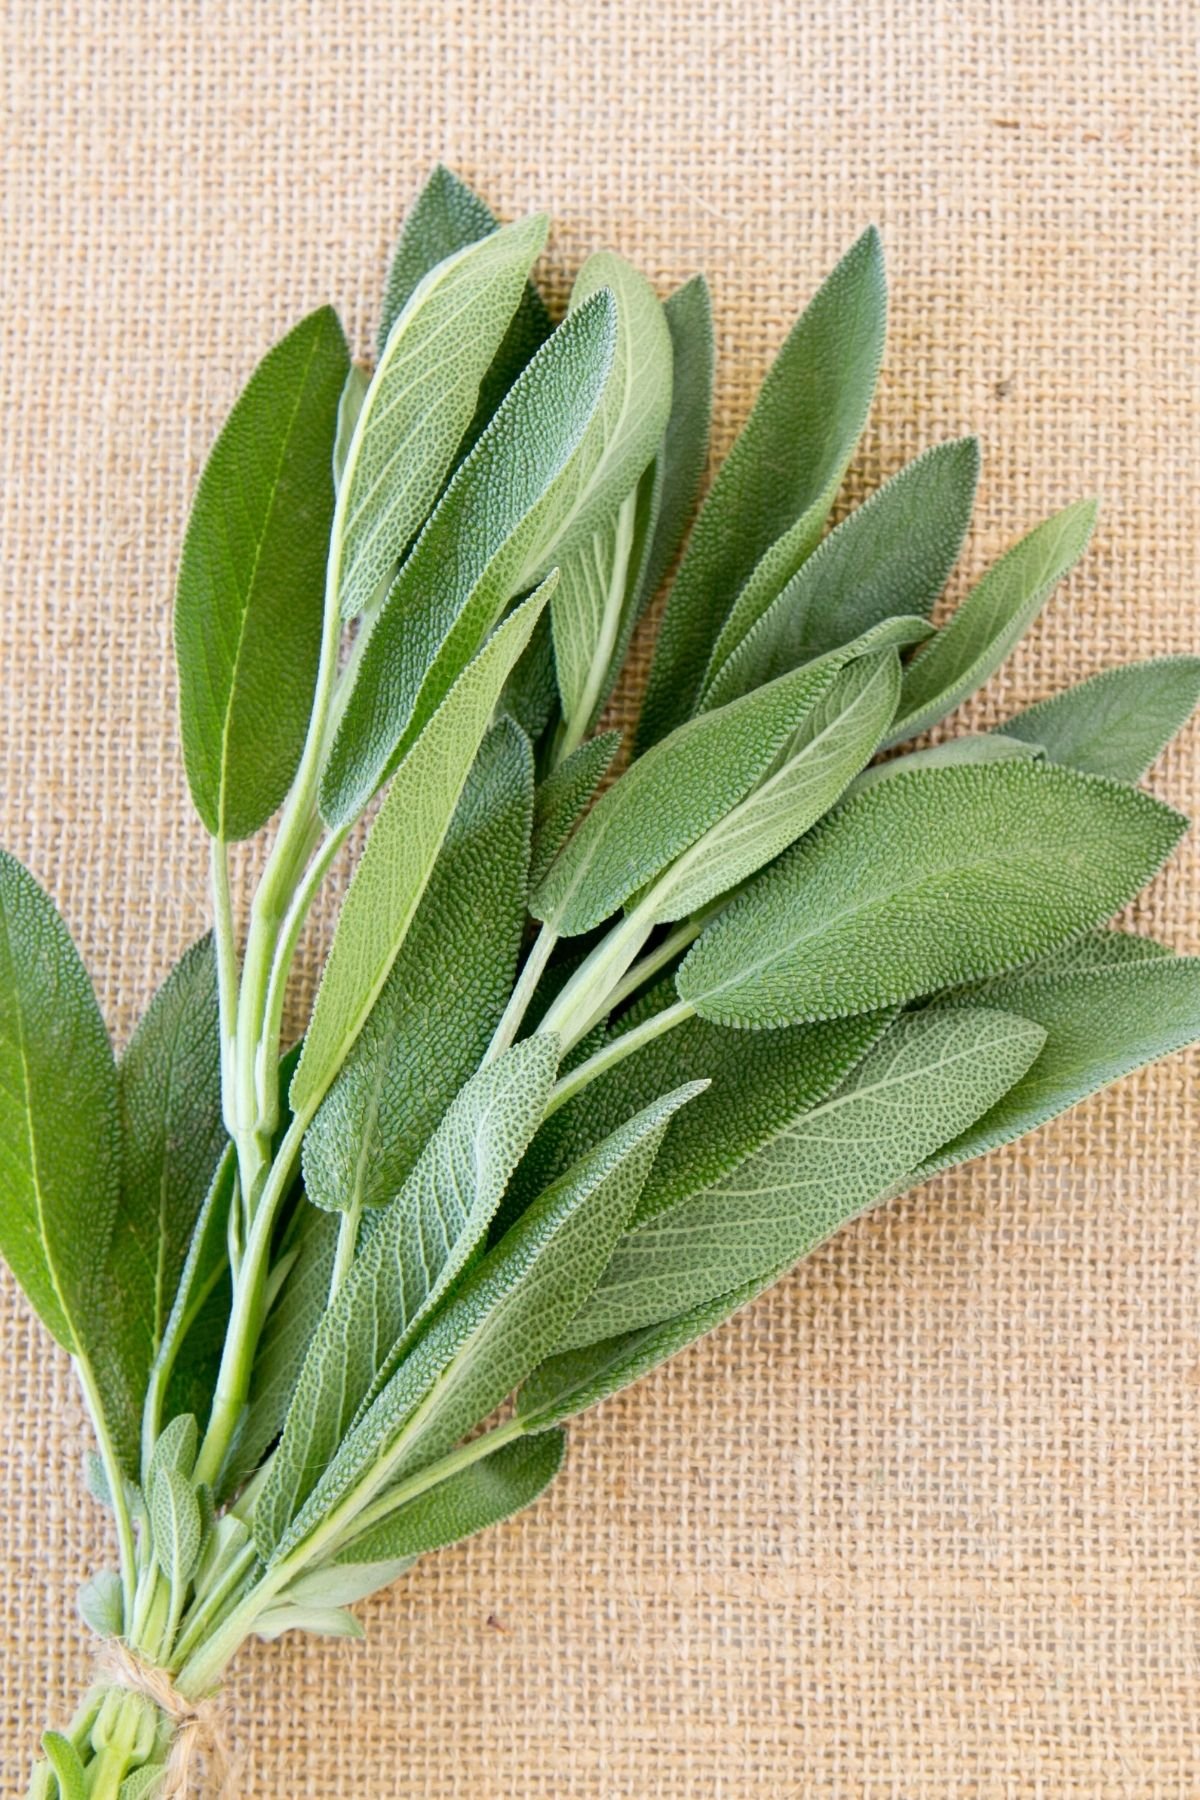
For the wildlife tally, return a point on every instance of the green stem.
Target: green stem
(571, 732)
(657, 959)
(227, 967)
(347, 1241)
(115, 1476)
(518, 1005)
(404, 1491)
(617, 1050)
(586, 997)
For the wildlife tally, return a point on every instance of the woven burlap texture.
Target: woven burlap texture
(922, 1523)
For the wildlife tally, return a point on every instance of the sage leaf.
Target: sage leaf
(172, 1138)
(102, 1604)
(317, 1621)
(669, 797)
(564, 796)
(420, 402)
(892, 555)
(175, 1525)
(1100, 1024)
(175, 1449)
(1118, 722)
(63, 1758)
(492, 535)
(766, 509)
(417, 1246)
(59, 1138)
(396, 864)
(350, 405)
(1098, 950)
(183, 1374)
(929, 1077)
(501, 1322)
(679, 465)
(250, 596)
(476, 1498)
(342, 1586)
(531, 692)
(936, 877)
(984, 747)
(445, 993)
(995, 614)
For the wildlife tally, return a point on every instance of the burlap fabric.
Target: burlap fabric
(923, 1522)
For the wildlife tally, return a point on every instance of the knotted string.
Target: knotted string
(199, 1743)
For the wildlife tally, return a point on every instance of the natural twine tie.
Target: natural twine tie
(198, 1751)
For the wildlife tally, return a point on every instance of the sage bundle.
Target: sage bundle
(595, 1057)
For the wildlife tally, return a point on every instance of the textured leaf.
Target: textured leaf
(1099, 1025)
(63, 1758)
(350, 405)
(492, 535)
(766, 508)
(333, 1586)
(421, 400)
(564, 797)
(188, 1355)
(474, 1499)
(102, 1604)
(1119, 722)
(935, 877)
(984, 747)
(503, 1320)
(416, 1248)
(891, 556)
(317, 1621)
(175, 1523)
(59, 1146)
(1098, 950)
(668, 798)
(995, 614)
(683, 453)
(250, 596)
(440, 1004)
(759, 1083)
(395, 867)
(931, 1075)
(172, 1138)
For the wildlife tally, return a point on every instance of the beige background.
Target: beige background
(924, 1521)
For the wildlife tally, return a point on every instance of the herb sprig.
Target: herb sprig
(583, 1074)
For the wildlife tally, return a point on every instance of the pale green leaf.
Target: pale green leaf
(102, 1604)
(765, 511)
(936, 877)
(564, 796)
(493, 534)
(342, 1585)
(1119, 722)
(63, 1758)
(1098, 950)
(317, 1621)
(1100, 1024)
(502, 1321)
(440, 1004)
(891, 556)
(984, 747)
(486, 1493)
(420, 402)
(175, 1524)
(350, 405)
(995, 614)
(250, 596)
(408, 1261)
(396, 864)
(930, 1076)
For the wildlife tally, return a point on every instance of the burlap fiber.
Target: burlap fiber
(923, 1522)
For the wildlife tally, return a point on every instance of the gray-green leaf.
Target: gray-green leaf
(765, 511)
(441, 1002)
(1119, 722)
(564, 797)
(995, 614)
(936, 877)
(395, 867)
(175, 1524)
(892, 555)
(683, 453)
(984, 747)
(250, 596)
(102, 1604)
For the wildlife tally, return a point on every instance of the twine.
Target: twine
(199, 1740)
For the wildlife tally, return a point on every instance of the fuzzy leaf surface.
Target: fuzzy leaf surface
(935, 877)
(564, 797)
(1118, 722)
(984, 747)
(250, 596)
(764, 513)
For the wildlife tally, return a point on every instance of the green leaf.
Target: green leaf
(891, 556)
(63, 1758)
(172, 1138)
(333, 1586)
(766, 508)
(440, 1004)
(936, 877)
(931, 1075)
(564, 796)
(354, 392)
(669, 798)
(445, 217)
(102, 1604)
(317, 1621)
(493, 534)
(175, 1449)
(185, 1369)
(415, 1250)
(250, 597)
(1098, 950)
(503, 1320)
(420, 402)
(488, 1492)
(1100, 1024)
(59, 1144)
(683, 453)
(175, 1524)
(1119, 722)
(987, 747)
(995, 614)
(395, 867)
(831, 744)
(759, 1082)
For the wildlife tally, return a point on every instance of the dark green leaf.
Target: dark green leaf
(564, 797)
